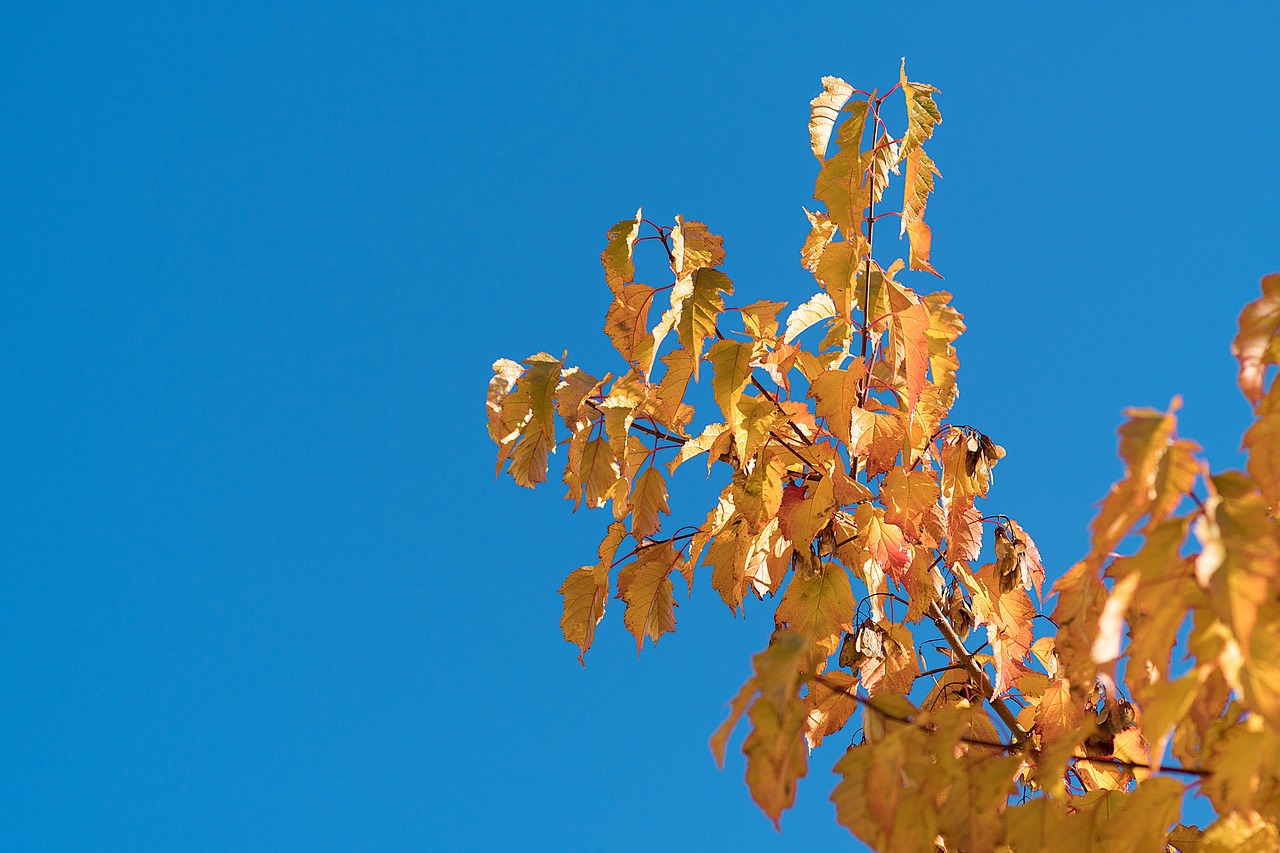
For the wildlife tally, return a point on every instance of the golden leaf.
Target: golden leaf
(585, 592)
(922, 112)
(835, 392)
(760, 319)
(1257, 344)
(817, 309)
(823, 112)
(648, 499)
(821, 231)
(908, 496)
(535, 393)
(645, 586)
(693, 247)
(616, 257)
(818, 602)
(832, 701)
(699, 311)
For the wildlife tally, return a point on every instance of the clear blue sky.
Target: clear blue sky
(261, 590)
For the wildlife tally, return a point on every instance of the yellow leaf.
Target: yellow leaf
(896, 667)
(693, 247)
(599, 472)
(760, 319)
(505, 374)
(696, 446)
(535, 393)
(805, 511)
(627, 322)
(1263, 443)
(1241, 557)
(731, 363)
(755, 418)
(776, 752)
(917, 186)
(841, 184)
(1058, 714)
(823, 112)
(818, 602)
(922, 112)
(832, 701)
(881, 543)
(758, 493)
(645, 586)
(700, 309)
(908, 496)
(817, 309)
(648, 499)
(1240, 833)
(835, 392)
(909, 349)
(1257, 344)
(616, 257)
(821, 232)
(585, 592)
(839, 269)
(875, 434)
(666, 403)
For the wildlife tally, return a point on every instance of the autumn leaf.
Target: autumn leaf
(1257, 344)
(922, 113)
(841, 184)
(534, 397)
(775, 748)
(832, 701)
(1241, 558)
(693, 247)
(645, 586)
(908, 496)
(818, 602)
(920, 173)
(817, 309)
(823, 112)
(627, 322)
(648, 499)
(699, 310)
(585, 592)
(617, 255)
(836, 393)
(821, 232)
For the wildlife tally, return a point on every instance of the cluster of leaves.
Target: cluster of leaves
(844, 474)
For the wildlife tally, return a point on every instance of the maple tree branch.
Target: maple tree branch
(865, 701)
(1138, 765)
(975, 672)
(665, 436)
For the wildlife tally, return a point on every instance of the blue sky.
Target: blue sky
(262, 590)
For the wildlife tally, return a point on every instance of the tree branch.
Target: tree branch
(975, 672)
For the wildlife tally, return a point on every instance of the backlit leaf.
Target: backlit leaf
(818, 602)
(823, 112)
(699, 311)
(817, 309)
(1257, 344)
(585, 592)
(616, 257)
(645, 586)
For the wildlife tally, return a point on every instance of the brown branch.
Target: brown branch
(1138, 765)
(666, 436)
(975, 672)
(1007, 747)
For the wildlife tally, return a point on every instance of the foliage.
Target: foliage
(852, 502)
